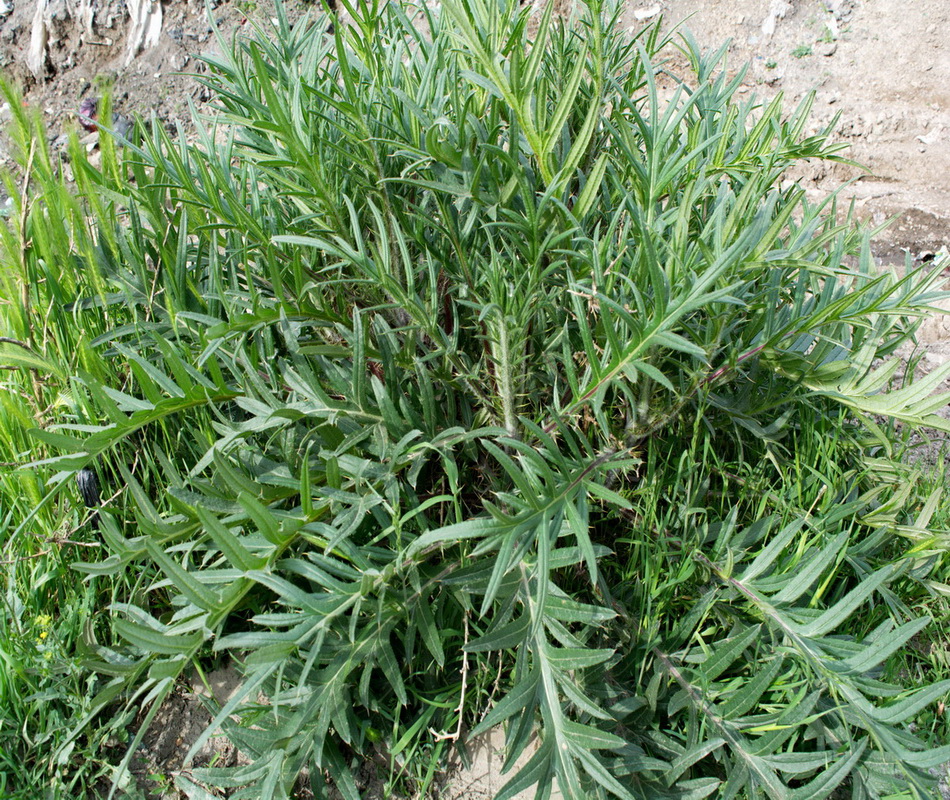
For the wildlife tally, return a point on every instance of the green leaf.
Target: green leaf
(901, 710)
(776, 547)
(451, 534)
(751, 693)
(812, 570)
(503, 637)
(885, 646)
(692, 756)
(567, 610)
(586, 737)
(831, 778)
(841, 610)
(800, 763)
(156, 641)
(22, 356)
(231, 546)
(536, 771)
(727, 651)
(430, 634)
(190, 585)
(574, 658)
(585, 200)
(521, 696)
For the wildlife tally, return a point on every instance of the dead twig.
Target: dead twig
(457, 733)
(31, 556)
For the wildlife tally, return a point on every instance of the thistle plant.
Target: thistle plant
(491, 378)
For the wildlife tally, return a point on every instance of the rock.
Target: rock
(826, 48)
(777, 10)
(831, 24)
(933, 137)
(146, 27)
(642, 14)
(841, 9)
(122, 126)
(36, 53)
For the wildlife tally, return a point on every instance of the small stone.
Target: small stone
(642, 14)
(122, 126)
(826, 48)
(932, 137)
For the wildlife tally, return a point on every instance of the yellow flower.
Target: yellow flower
(43, 635)
(44, 620)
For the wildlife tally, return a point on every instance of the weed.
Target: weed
(462, 382)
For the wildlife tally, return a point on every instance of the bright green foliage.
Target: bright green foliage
(48, 613)
(492, 379)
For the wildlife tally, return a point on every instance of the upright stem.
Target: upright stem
(25, 246)
(25, 279)
(505, 379)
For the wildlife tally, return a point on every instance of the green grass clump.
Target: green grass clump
(488, 377)
(50, 314)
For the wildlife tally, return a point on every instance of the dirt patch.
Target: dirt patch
(179, 723)
(881, 67)
(479, 776)
(147, 54)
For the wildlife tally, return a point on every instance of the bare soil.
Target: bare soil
(881, 68)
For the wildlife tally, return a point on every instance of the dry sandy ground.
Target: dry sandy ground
(882, 65)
